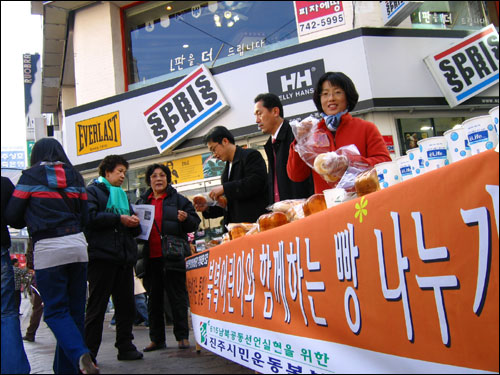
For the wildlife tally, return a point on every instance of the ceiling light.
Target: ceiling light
(426, 128)
(227, 14)
(236, 18)
(185, 46)
(218, 24)
(216, 18)
(230, 24)
(169, 7)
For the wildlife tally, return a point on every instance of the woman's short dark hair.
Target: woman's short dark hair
(270, 101)
(151, 169)
(336, 79)
(48, 149)
(217, 134)
(109, 163)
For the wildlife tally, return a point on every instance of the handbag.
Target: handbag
(173, 248)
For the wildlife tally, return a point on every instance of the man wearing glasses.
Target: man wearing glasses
(243, 181)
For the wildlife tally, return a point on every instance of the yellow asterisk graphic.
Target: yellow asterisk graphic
(361, 210)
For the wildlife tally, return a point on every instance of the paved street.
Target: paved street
(168, 361)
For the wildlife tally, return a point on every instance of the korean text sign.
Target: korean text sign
(193, 102)
(379, 283)
(468, 67)
(314, 16)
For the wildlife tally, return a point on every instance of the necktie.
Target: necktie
(276, 192)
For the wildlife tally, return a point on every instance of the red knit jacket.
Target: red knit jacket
(364, 134)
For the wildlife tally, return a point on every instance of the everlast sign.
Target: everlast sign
(98, 133)
(194, 101)
(295, 84)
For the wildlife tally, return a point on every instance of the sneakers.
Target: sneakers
(87, 366)
(131, 355)
(28, 338)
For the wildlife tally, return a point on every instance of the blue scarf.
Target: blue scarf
(117, 201)
(333, 121)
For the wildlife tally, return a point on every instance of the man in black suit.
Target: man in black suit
(243, 180)
(269, 117)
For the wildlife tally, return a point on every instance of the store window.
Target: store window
(166, 39)
(412, 130)
(454, 15)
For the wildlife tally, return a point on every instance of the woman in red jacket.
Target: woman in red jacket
(335, 96)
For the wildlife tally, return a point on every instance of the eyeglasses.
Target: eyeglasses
(213, 148)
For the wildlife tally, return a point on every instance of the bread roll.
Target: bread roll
(222, 201)
(321, 163)
(237, 231)
(315, 203)
(200, 200)
(367, 182)
(272, 220)
(303, 129)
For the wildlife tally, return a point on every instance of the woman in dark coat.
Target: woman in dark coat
(174, 216)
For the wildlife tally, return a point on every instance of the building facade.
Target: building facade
(108, 66)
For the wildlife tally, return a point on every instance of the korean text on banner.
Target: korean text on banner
(468, 67)
(193, 102)
(398, 279)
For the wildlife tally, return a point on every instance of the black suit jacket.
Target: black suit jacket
(245, 189)
(286, 187)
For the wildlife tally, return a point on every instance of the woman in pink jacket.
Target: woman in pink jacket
(335, 96)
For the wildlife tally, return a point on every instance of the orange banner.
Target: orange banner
(405, 277)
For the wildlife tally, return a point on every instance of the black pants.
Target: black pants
(108, 279)
(17, 300)
(174, 283)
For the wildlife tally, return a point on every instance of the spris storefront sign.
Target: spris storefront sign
(98, 133)
(468, 67)
(193, 102)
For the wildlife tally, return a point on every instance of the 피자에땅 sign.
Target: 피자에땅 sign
(468, 67)
(193, 102)
(314, 16)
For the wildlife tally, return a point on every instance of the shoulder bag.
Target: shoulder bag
(173, 248)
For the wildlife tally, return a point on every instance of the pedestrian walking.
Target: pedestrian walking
(112, 253)
(13, 358)
(36, 311)
(51, 197)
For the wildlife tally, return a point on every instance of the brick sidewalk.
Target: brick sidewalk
(168, 361)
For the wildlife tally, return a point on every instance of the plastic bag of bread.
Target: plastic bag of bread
(203, 199)
(311, 141)
(367, 182)
(272, 220)
(288, 208)
(339, 168)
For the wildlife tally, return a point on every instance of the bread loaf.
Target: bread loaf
(272, 220)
